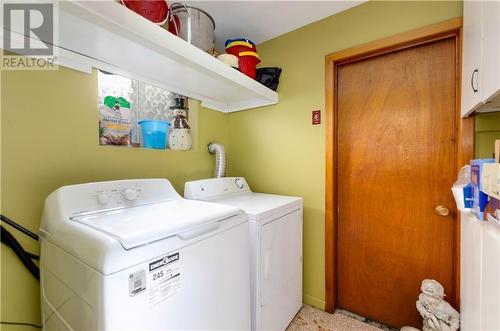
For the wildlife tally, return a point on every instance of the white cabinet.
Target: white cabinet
(471, 57)
(481, 57)
(490, 298)
(470, 271)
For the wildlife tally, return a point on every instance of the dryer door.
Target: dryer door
(280, 271)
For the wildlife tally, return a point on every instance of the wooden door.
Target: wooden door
(396, 159)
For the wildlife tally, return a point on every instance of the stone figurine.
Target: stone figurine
(438, 314)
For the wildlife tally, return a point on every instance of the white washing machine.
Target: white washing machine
(275, 247)
(134, 255)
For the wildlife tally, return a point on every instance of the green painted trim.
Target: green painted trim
(312, 301)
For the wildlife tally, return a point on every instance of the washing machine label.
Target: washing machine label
(136, 282)
(164, 278)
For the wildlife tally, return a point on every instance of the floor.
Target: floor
(309, 319)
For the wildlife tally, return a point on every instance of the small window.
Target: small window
(133, 113)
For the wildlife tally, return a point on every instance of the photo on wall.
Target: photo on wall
(133, 113)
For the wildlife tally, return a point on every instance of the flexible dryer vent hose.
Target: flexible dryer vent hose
(220, 159)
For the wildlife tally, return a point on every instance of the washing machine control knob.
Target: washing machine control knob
(103, 198)
(130, 194)
(239, 183)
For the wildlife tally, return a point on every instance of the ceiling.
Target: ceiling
(260, 21)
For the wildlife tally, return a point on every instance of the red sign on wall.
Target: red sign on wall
(316, 117)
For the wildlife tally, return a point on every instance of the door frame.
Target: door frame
(464, 132)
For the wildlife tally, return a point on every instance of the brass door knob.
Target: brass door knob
(442, 211)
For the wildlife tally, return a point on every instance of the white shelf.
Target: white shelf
(492, 104)
(108, 36)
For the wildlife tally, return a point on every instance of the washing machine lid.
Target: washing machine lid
(136, 226)
(261, 206)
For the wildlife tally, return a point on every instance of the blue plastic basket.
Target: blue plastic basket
(154, 133)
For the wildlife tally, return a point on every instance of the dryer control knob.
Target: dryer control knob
(239, 183)
(130, 194)
(102, 198)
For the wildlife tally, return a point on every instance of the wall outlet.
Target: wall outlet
(316, 117)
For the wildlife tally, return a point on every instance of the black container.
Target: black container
(269, 77)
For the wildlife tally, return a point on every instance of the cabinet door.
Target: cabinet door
(471, 56)
(491, 49)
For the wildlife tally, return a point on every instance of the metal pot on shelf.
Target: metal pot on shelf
(193, 25)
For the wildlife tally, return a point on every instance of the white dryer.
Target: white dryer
(134, 255)
(275, 247)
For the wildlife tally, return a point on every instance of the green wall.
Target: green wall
(487, 131)
(49, 130)
(277, 149)
(49, 136)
